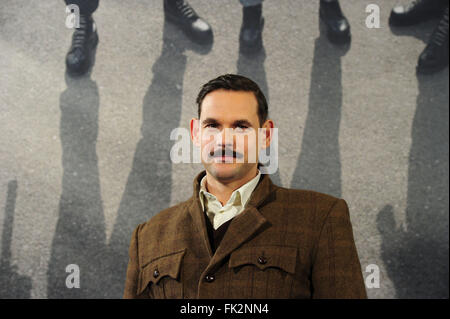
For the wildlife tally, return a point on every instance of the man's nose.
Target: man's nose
(225, 138)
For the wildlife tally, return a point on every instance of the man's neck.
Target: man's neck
(223, 190)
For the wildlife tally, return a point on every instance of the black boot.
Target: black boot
(435, 56)
(250, 37)
(182, 14)
(84, 40)
(417, 11)
(337, 24)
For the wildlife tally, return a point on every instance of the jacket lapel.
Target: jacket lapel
(246, 224)
(241, 228)
(198, 216)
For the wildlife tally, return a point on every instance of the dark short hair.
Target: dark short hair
(234, 82)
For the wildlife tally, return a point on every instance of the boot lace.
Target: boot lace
(440, 34)
(186, 10)
(80, 34)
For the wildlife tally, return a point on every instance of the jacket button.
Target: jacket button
(156, 273)
(262, 260)
(210, 278)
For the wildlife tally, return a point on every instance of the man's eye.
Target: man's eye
(211, 125)
(241, 127)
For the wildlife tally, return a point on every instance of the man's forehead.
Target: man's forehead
(230, 104)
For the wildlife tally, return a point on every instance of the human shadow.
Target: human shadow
(148, 188)
(79, 237)
(252, 66)
(319, 163)
(12, 284)
(416, 254)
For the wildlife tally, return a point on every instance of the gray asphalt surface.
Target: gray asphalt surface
(83, 161)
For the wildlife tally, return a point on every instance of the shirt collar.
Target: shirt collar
(243, 193)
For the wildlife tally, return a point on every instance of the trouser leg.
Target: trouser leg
(250, 3)
(250, 38)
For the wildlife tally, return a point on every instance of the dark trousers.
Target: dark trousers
(89, 6)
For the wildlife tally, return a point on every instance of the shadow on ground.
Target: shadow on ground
(416, 254)
(319, 163)
(12, 284)
(80, 233)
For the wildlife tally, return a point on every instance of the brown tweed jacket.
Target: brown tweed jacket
(285, 244)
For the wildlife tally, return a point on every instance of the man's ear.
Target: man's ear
(195, 131)
(267, 134)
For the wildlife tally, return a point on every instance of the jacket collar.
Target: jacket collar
(242, 226)
(264, 188)
(239, 196)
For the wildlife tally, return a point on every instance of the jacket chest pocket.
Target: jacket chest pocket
(262, 272)
(160, 278)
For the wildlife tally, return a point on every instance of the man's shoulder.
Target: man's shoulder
(305, 203)
(292, 196)
(303, 207)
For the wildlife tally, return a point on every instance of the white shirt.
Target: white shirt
(219, 214)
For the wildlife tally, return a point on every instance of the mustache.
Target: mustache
(225, 152)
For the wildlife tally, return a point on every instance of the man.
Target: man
(434, 57)
(239, 235)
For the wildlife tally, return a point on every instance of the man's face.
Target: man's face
(227, 133)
